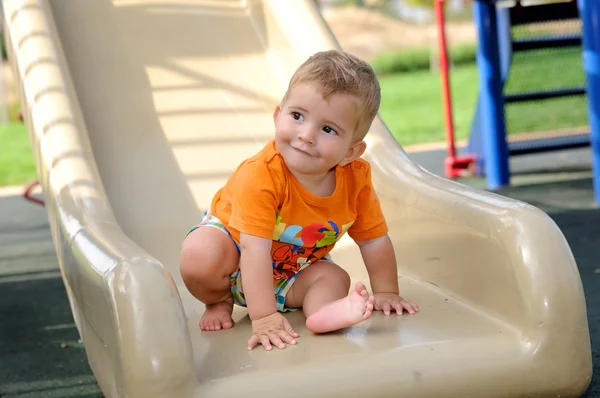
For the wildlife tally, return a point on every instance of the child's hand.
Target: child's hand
(387, 301)
(272, 329)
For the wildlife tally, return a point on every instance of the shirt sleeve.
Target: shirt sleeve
(256, 199)
(370, 222)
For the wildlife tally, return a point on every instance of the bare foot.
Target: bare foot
(350, 310)
(217, 316)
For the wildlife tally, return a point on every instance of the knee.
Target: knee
(208, 257)
(197, 264)
(344, 278)
(337, 274)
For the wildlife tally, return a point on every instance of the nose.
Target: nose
(307, 134)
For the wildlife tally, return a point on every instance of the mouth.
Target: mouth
(301, 151)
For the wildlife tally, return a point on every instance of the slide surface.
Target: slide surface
(138, 111)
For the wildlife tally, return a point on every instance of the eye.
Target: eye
(297, 116)
(329, 130)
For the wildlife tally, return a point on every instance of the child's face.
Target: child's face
(314, 135)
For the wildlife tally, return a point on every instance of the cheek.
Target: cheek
(332, 148)
(286, 127)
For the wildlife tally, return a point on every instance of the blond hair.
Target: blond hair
(338, 72)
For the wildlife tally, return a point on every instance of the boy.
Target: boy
(283, 210)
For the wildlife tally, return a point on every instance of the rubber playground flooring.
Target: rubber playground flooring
(40, 352)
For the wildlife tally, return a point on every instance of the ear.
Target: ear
(276, 113)
(355, 151)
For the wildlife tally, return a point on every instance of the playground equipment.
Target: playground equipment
(453, 164)
(496, 48)
(488, 145)
(139, 110)
(590, 11)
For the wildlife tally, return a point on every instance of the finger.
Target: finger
(386, 307)
(290, 329)
(264, 340)
(376, 305)
(398, 307)
(410, 307)
(277, 342)
(286, 336)
(252, 342)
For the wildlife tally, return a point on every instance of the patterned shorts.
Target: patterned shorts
(235, 279)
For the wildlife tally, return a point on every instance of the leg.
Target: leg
(322, 291)
(208, 257)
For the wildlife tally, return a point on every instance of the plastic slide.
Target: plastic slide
(138, 110)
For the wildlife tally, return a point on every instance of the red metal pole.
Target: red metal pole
(27, 193)
(446, 97)
(453, 165)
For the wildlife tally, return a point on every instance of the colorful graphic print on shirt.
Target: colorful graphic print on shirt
(296, 247)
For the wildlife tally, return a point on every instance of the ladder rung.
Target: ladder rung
(549, 144)
(546, 42)
(520, 15)
(541, 95)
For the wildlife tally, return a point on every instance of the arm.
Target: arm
(380, 260)
(269, 327)
(257, 276)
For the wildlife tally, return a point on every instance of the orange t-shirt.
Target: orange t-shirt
(262, 198)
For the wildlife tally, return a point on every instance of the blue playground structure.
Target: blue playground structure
(494, 22)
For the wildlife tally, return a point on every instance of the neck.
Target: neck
(322, 184)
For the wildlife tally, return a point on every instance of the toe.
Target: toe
(226, 322)
(203, 325)
(368, 312)
(359, 287)
(227, 325)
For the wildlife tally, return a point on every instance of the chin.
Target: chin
(300, 167)
(304, 166)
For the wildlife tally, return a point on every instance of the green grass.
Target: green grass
(539, 69)
(16, 160)
(412, 103)
(418, 59)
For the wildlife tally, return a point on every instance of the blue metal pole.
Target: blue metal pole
(589, 12)
(495, 147)
(504, 41)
